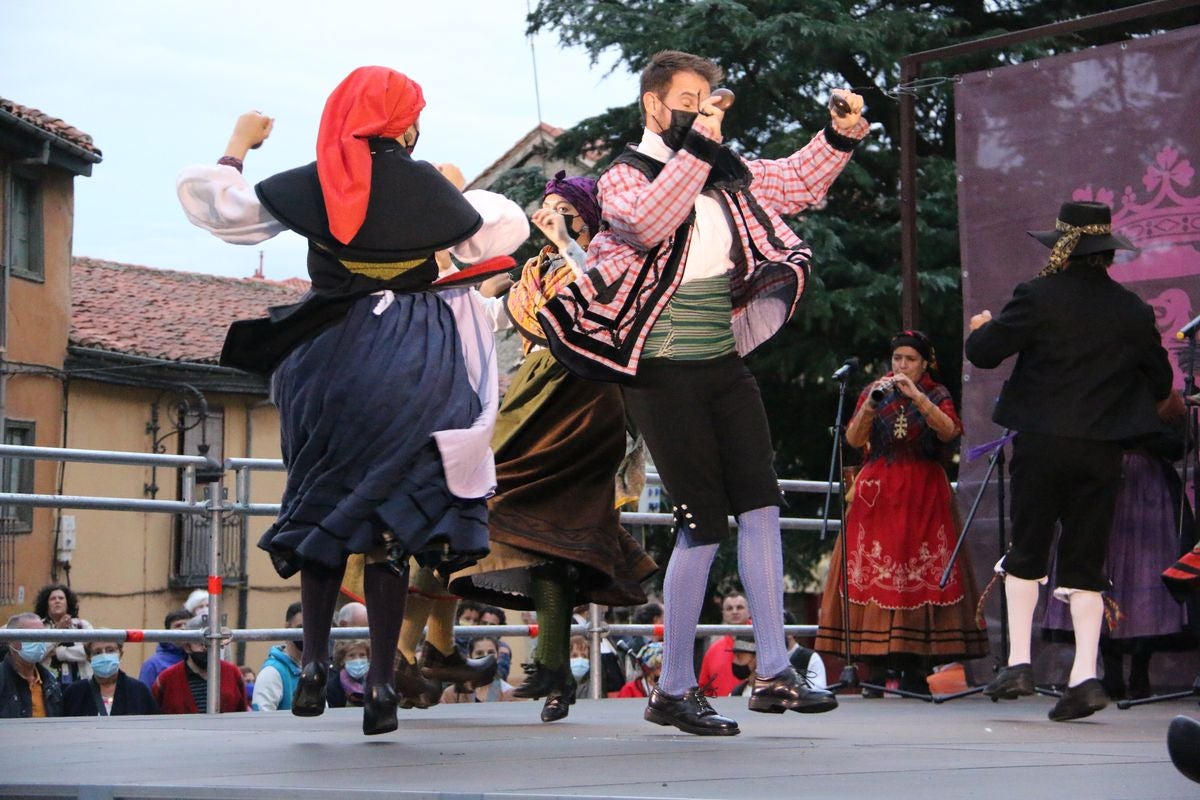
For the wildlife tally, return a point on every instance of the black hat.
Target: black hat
(1082, 228)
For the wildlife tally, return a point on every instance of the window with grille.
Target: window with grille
(16, 476)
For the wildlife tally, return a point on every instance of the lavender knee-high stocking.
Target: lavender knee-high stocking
(318, 596)
(385, 593)
(684, 587)
(760, 564)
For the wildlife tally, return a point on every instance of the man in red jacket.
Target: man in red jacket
(183, 688)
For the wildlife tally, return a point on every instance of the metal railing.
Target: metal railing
(200, 471)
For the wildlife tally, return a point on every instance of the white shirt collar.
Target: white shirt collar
(652, 145)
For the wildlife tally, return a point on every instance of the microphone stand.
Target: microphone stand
(996, 463)
(848, 679)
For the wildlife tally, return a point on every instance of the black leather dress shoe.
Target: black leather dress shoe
(788, 690)
(1183, 743)
(1080, 701)
(559, 701)
(379, 710)
(453, 668)
(413, 688)
(541, 680)
(309, 698)
(1011, 683)
(690, 712)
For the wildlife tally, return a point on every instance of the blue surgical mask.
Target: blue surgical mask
(105, 665)
(580, 667)
(33, 652)
(357, 667)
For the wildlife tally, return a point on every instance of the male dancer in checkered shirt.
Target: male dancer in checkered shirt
(693, 269)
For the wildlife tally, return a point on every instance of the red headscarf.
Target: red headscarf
(370, 102)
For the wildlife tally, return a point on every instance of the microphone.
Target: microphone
(846, 369)
(1188, 330)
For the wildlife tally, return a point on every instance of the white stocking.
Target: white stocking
(1022, 598)
(1087, 614)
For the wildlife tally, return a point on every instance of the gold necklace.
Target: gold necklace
(900, 429)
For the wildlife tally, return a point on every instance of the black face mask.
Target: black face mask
(741, 671)
(570, 220)
(199, 659)
(298, 644)
(681, 123)
(413, 146)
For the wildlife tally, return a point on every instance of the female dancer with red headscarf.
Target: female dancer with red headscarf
(386, 389)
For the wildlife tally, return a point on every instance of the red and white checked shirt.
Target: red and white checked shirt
(597, 327)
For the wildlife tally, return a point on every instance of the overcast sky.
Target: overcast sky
(158, 85)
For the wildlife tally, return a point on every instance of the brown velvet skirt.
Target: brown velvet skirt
(559, 442)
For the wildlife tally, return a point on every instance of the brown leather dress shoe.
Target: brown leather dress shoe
(690, 712)
(413, 688)
(788, 691)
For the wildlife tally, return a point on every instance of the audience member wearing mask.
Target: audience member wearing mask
(27, 689)
(279, 674)
(351, 660)
(183, 688)
(248, 677)
(109, 692)
(167, 653)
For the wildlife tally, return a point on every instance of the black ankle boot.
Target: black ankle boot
(559, 700)
(541, 680)
(453, 668)
(379, 710)
(309, 698)
(413, 688)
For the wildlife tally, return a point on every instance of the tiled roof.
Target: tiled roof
(543, 131)
(49, 124)
(160, 313)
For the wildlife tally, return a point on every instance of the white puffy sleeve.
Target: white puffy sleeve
(217, 198)
(505, 228)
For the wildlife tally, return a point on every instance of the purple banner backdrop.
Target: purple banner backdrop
(1119, 124)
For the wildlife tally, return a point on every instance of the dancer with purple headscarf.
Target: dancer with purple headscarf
(555, 533)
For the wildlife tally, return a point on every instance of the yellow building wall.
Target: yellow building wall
(38, 319)
(122, 562)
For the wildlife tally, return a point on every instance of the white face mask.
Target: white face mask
(357, 667)
(580, 667)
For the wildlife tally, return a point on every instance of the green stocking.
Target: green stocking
(552, 599)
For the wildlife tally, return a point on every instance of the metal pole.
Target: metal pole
(910, 300)
(242, 495)
(215, 503)
(597, 630)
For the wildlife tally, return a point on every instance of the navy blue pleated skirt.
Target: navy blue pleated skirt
(358, 404)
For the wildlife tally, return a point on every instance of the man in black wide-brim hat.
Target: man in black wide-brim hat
(1090, 368)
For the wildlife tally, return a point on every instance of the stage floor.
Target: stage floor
(888, 748)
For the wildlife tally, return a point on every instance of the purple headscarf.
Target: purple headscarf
(579, 192)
